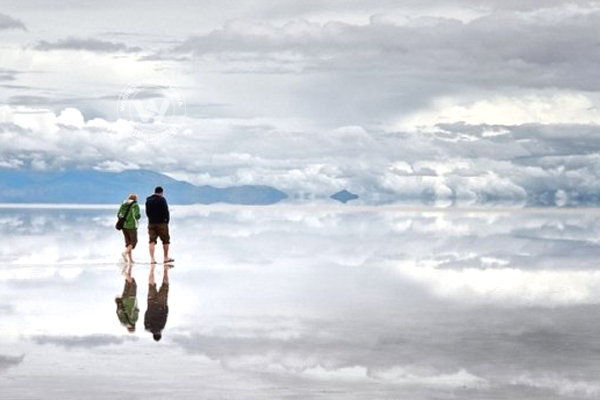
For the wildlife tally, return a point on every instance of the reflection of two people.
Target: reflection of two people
(157, 311)
(127, 309)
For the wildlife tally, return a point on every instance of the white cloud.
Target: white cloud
(507, 285)
(71, 117)
(402, 376)
(559, 384)
(397, 376)
(450, 162)
(8, 22)
(557, 108)
(85, 44)
(115, 166)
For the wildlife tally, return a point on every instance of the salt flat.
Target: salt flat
(306, 302)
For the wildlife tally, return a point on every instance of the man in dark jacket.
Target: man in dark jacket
(157, 211)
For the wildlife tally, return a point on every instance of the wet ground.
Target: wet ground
(306, 302)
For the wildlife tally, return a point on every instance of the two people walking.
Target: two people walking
(157, 211)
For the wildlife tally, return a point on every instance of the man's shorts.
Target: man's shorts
(130, 237)
(161, 231)
(158, 297)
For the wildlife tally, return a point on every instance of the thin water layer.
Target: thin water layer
(300, 302)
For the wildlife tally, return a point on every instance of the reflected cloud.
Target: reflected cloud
(6, 309)
(10, 361)
(81, 342)
(333, 359)
(559, 385)
(413, 303)
(508, 285)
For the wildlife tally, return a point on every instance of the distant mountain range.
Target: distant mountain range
(100, 187)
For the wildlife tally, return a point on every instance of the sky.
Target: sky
(473, 100)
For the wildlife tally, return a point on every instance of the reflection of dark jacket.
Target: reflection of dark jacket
(157, 209)
(155, 318)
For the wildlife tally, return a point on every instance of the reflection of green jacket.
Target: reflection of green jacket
(134, 214)
(128, 313)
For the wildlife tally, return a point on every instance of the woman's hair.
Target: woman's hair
(133, 197)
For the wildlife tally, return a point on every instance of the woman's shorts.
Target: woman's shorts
(130, 237)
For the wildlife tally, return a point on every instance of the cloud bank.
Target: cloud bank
(8, 22)
(464, 163)
(410, 101)
(86, 44)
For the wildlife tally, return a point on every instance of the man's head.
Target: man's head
(158, 190)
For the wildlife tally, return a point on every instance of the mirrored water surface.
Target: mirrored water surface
(303, 302)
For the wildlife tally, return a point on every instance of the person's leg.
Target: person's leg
(163, 293)
(153, 235)
(128, 251)
(128, 274)
(166, 275)
(152, 248)
(166, 251)
(165, 238)
(151, 278)
(152, 293)
(132, 243)
(124, 253)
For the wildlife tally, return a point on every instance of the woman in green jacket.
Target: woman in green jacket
(131, 224)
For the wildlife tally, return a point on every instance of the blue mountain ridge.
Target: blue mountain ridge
(102, 187)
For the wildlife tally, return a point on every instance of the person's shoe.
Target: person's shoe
(169, 260)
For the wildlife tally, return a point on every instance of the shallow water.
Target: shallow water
(306, 302)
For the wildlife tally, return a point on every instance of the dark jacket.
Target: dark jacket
(155, 317)
(157, 210)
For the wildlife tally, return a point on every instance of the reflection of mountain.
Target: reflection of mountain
(344, 196)
(89, 187)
